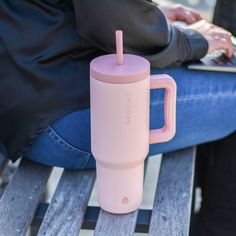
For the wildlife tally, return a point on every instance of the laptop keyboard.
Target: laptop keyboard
(222, 60)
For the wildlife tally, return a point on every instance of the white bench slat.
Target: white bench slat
(115, 225)
(66, 211)
(172, 204)
(20, 199)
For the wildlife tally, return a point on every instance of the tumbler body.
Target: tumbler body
(120, 100)
(120, 141)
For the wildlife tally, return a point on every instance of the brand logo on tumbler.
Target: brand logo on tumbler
(125, 200)
(128, 108)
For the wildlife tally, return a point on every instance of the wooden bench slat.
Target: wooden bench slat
(115, 225)
(66, 211)
(20, 199)
(172, 204)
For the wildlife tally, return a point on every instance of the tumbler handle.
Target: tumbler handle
(167, 132)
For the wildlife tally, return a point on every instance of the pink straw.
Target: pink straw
(119, 47)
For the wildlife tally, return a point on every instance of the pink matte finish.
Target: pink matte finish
(119, 47)
(168, 131)
(105, 68)
(120, 141)
(120, 190)
(117, 111)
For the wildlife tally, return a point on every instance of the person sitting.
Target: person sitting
(46, 47)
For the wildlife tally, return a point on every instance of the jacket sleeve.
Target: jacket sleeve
(146, 31)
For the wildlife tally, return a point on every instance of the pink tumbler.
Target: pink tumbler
(120, 136)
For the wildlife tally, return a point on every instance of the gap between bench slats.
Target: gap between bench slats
(21, 197)
(3, 167)
(3, 164)
(66, 212)
(172, 204)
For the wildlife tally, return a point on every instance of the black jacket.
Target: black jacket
(46, 47)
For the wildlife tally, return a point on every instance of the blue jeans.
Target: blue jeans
(206, 111)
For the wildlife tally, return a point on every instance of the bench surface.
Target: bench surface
(67, 213)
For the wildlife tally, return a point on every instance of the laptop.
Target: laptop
(216, 61)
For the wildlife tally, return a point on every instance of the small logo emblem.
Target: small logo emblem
(125, 200)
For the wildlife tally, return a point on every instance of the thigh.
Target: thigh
(65, 143)
(205, 111)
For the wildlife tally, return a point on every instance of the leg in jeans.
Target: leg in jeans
(205, 112)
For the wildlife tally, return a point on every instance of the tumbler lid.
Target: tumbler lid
(119, 68)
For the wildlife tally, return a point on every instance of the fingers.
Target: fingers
(218, 38)
(187, 15)
(222, 40)
(226, 47)
(229, 47)
(194, 13)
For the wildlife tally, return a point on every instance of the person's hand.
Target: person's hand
(218, 38)
(178, 12)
